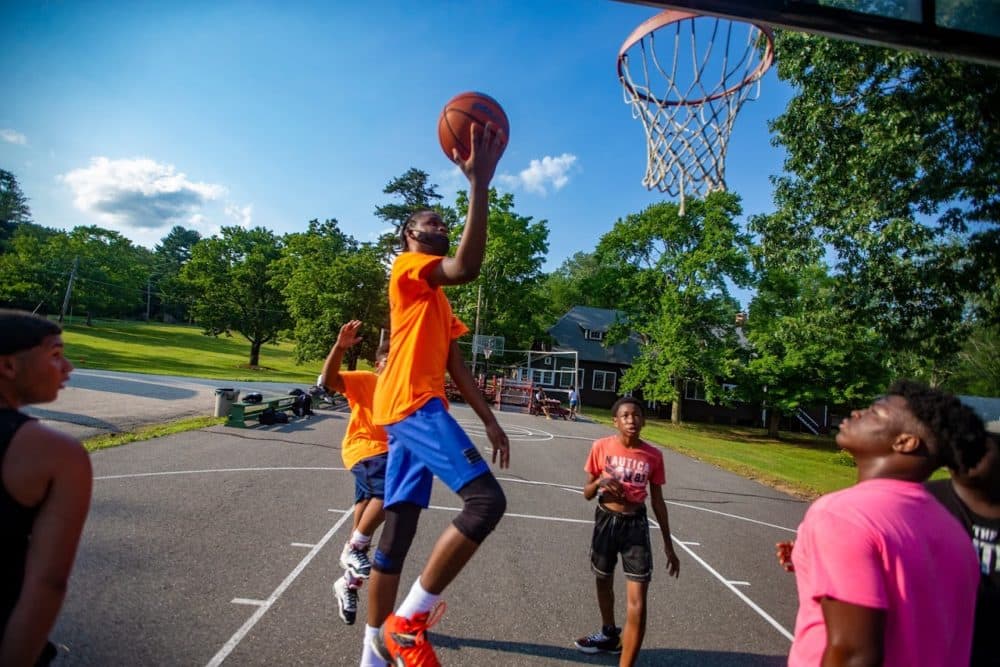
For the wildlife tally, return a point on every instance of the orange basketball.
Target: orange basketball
(460, 113)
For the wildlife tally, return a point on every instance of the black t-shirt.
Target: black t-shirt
(985, 535)
(16, 521)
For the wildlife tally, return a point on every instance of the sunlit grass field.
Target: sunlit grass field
(175, 349)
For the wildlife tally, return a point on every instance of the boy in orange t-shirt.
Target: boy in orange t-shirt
(424, 440)
(364, 451)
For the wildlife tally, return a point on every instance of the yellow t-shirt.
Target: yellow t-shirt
(363, 438)
(422, 328)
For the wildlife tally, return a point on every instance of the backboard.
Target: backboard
(965, 29)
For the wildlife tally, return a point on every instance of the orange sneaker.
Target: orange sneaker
(402, 642)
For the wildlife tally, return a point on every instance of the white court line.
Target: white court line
(192, 472)
(740, 583)
(302, 544)
(728, 584)
(255, 603)
(238, 636)
(732, 516)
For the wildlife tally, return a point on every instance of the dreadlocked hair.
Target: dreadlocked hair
(958, 431)
(406, 225)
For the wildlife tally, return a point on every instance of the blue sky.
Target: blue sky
(140, 116)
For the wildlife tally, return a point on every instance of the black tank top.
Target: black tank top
(15, 524)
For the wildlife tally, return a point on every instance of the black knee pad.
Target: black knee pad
(397, 536)
(484, 505)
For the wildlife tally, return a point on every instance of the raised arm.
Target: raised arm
(55, 535)
(346, 339)
(466, 384)
(487, 146)
(660, 510)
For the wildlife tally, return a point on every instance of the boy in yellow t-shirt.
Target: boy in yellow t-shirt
(364, 451)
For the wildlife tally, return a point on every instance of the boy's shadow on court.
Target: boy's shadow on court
(651, 656)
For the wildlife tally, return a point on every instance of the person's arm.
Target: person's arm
(487, 146)
(660, 510)
(466, 384)
(347, 337)
(55, 535)
(855, 635)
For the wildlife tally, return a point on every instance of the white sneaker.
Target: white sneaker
(347, 601)
(356, 562)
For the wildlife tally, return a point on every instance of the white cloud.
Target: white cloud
(242, 215)
(540, 174)
(13, 137)
(139, 193)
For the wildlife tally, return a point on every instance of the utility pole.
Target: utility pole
(475, 336)
(69, 289)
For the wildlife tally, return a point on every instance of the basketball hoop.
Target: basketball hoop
(487, 351)
(687, 96)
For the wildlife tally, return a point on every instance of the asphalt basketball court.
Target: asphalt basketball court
(219, 546)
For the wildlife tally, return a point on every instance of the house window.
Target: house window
(566, 379)
(539, 376)
(604, 380)
(547, 361)
(694, 391)
(593, 334)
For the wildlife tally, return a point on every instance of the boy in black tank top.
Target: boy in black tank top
(45, 482)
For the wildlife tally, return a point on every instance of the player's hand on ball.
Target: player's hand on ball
(783, 550)
(501, 444)
(487, 147)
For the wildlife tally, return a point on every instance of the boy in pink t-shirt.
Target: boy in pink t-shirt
(885, 574)
(621, 468)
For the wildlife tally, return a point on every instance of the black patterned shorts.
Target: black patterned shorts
(626, 534)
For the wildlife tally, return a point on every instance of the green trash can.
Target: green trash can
(224, 399)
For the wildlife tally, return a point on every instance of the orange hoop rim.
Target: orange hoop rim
(665, 18)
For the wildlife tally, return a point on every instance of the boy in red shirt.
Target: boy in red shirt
(364, 451)
(621, 467)
(424, 440)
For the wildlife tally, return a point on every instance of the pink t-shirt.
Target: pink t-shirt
(887, 544)
(634, 467)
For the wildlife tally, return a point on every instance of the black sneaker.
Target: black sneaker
(608, 640)
(347, 601)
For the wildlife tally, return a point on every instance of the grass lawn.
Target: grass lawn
(175, 349)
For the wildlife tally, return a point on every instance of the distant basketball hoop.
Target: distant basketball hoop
(687, 92)
(487, 345)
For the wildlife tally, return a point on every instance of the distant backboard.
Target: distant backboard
(965, 29)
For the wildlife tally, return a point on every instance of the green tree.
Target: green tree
(803, 349)
(111, 271)
(14, 208)
(34, 269)
(891, 170)
(516, 246)
(674, 289)
(170, 255)
(977, 366)
(417, 193)
(327, 279)
(581, 280)
(231, 277)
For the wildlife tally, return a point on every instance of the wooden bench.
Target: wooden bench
(239, 412)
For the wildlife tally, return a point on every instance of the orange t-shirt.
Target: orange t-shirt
(422, 328)
(363, 438)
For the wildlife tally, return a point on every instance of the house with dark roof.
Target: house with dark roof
(583, 330)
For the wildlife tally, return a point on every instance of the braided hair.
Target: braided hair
(409, 222)
(958, 432)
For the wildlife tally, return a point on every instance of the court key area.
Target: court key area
(220, 546)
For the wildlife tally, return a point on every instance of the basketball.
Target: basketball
(458, 116)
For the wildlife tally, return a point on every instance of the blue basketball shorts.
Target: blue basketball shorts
(426, 444)
(369, 477)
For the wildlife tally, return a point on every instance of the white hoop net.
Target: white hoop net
(686, 77)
